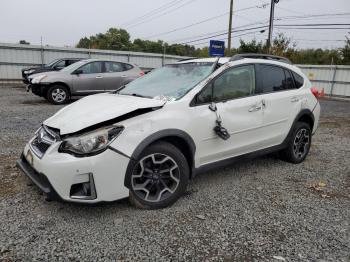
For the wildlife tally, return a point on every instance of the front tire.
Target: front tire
(58, 95)
(298, 145)
(159, 177)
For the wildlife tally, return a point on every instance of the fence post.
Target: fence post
(42, 51)
(333, 80)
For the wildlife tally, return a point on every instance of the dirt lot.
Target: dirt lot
(259, 210)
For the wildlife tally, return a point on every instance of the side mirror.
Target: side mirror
(213, 107)
(58, 68)
(78, 72)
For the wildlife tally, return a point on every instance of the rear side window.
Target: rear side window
(289, 80)
(270, 79)
(127, 67)
(299, 80)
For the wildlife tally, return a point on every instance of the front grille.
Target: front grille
(42, 141)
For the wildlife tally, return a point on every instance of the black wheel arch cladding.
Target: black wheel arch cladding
(166, 135)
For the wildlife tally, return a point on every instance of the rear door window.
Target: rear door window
(92, 68)
(112, 67)
(270, 79)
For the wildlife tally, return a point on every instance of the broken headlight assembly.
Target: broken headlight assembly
(90, 143)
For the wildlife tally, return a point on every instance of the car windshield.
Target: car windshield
(52, 63)
(170, 82)
(73, 66)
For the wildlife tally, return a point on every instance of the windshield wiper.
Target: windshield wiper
(134, 94)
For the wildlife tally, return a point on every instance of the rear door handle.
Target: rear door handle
(124, 76)
(294, 99)
(99, 76)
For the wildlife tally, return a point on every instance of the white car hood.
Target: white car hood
(96, 109)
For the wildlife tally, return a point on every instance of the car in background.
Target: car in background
(86, 77)
(55, 65)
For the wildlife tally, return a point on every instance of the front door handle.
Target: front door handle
(255, 108)
(99, 76)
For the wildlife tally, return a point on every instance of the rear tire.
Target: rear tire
(298, 145)
(58, 95)
(159, 177)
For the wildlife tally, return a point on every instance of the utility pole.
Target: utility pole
(272, 13)
(230, 26)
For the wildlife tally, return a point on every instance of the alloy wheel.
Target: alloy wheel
(58, 95)
(301, 143)
(155, 178)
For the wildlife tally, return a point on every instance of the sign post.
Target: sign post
(216, 48)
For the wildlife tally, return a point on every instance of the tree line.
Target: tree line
(119, 39)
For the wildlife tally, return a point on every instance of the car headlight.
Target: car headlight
(27, 72)
(90, 143)
(37, 79)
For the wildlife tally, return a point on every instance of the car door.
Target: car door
(114, 76)
(240, 111)
(88, 78)
(276, 86)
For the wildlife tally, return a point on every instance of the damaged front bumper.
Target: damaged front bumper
(38, 89)
(61, 176)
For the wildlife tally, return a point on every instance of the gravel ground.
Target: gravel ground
(258, 210)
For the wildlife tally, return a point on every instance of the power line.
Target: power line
(188, 26)
(278, 26)
(249, 33)
(233, 31)
(250, 24)
(154, 11)
(318, 24)
(162, 14)
(202, 21)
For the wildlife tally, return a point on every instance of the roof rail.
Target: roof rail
(261, 56)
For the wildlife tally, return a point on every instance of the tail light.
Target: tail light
(315, 92)
(142, 73)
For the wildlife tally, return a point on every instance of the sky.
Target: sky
(64, 22)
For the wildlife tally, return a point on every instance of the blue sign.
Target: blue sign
(216, 48)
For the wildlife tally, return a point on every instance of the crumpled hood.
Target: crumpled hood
(95, 109)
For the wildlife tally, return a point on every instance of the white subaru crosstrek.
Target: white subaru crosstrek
(149, 138)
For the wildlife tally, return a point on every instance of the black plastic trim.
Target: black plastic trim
(118, 152)
(39, 179)
(152, 138)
